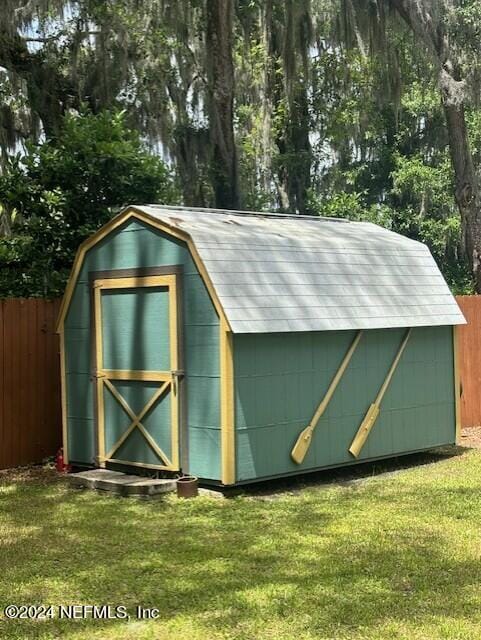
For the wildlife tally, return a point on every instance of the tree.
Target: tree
(295, 157)
(220, 100)
(64, 189)
(288, 36)
(317, 106)
(429, 24)
(432, 23)
(168, 65)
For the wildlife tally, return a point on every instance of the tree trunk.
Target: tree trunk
(49, 93)
(300, 153)
(220, 95)
(190, 145)
(274, 92)
(288, 91)
(467, 191)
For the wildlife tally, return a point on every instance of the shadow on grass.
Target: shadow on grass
(326, 561)
(350, 473)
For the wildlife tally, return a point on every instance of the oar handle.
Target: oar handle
(335, 381)
(391, 371)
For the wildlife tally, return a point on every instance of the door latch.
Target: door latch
(176, 375)
(96, 375)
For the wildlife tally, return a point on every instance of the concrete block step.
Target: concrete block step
(121, 483)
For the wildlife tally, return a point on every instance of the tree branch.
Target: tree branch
(48, 91)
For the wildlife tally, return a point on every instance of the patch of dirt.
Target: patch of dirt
(351, 475)
(38, 474)
(471, 437)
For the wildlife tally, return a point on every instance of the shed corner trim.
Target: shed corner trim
(228, 452)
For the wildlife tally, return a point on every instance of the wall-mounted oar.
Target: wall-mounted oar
(373, 411)
(301, 447)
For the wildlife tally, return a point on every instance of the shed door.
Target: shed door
(136, 349)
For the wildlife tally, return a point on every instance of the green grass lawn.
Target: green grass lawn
(389, 556)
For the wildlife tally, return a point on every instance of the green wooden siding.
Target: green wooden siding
(281, 378)
(131, 246)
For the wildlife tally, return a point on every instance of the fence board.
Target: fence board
(30, 410)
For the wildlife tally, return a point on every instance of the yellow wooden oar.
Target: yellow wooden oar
(373, 411)
(301, 447)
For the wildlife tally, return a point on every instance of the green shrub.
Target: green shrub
(59, 192)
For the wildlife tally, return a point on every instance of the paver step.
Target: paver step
(121, 483)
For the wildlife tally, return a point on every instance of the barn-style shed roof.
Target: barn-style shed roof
(281, 273)
(300, 273)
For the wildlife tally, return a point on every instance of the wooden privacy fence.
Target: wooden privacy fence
(469, 345)
(30, 408)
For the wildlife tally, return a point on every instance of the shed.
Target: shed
(239, 346)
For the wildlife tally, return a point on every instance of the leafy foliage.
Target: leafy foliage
(337, 111)
(61, 191)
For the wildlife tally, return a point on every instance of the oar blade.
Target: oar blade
(364, 430)
(302, 445)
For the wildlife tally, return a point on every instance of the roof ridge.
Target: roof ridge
(259, 214)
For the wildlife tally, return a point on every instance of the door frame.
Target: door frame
(166, 276)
